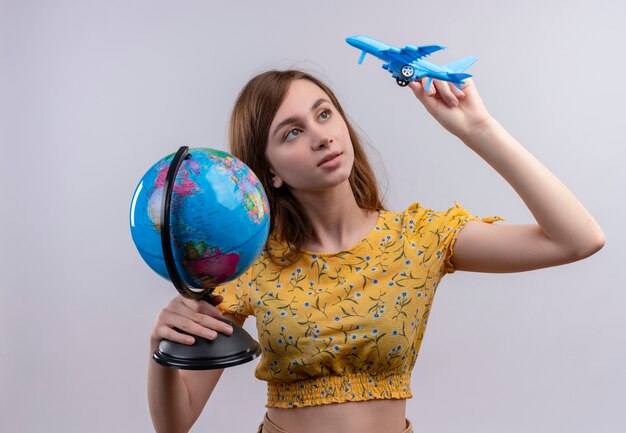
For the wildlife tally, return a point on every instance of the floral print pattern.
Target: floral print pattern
(348, 326)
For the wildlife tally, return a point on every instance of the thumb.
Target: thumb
(423, 95)
(418, 89)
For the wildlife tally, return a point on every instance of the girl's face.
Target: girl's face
(309, 146)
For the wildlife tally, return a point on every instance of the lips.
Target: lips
(328, 157)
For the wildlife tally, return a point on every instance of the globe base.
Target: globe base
(223, 352)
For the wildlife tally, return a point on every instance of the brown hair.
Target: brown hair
(248, 132)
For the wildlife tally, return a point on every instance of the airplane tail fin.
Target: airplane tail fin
(457, 69)
(462, 64)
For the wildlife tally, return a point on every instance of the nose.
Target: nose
(321, 139)
(323, 143)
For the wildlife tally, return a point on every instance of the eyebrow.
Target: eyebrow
(293, 119)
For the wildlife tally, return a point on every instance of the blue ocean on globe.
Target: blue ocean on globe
(219, 217)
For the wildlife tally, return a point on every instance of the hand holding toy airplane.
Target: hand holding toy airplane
(407, 64)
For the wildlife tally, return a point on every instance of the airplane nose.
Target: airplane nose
(350, 40)
(355, 41)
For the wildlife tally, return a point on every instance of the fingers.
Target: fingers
(468, 83)
(424, 97)
(418, 88)
(200, 328)
(457, 92)
(166, 333)
(198, 318)
(438, 89)
(205, 315)
(444, 91)
(203, 307)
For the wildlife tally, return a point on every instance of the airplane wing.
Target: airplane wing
(461, 65)
(413, 52)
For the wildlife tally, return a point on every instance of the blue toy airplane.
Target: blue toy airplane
(407, 64)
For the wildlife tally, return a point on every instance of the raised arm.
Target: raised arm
(565, 231)
(177, 397)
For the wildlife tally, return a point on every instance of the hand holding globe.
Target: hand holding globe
(200, 218)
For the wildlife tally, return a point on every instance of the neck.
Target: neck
(338, 222)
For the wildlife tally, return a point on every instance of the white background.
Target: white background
(92, 93)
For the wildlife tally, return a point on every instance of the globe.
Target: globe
(219, 218)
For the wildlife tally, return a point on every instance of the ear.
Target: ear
(277, 181)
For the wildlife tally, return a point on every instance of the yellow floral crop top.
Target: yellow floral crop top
(348, 326)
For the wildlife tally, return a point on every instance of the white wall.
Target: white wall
(92, 93)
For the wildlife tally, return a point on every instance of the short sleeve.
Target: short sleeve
(236, 296)
(434, 234)
(453, 220)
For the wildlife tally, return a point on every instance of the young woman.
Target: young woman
(342, 292)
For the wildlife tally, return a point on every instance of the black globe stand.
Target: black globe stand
(226, 350)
